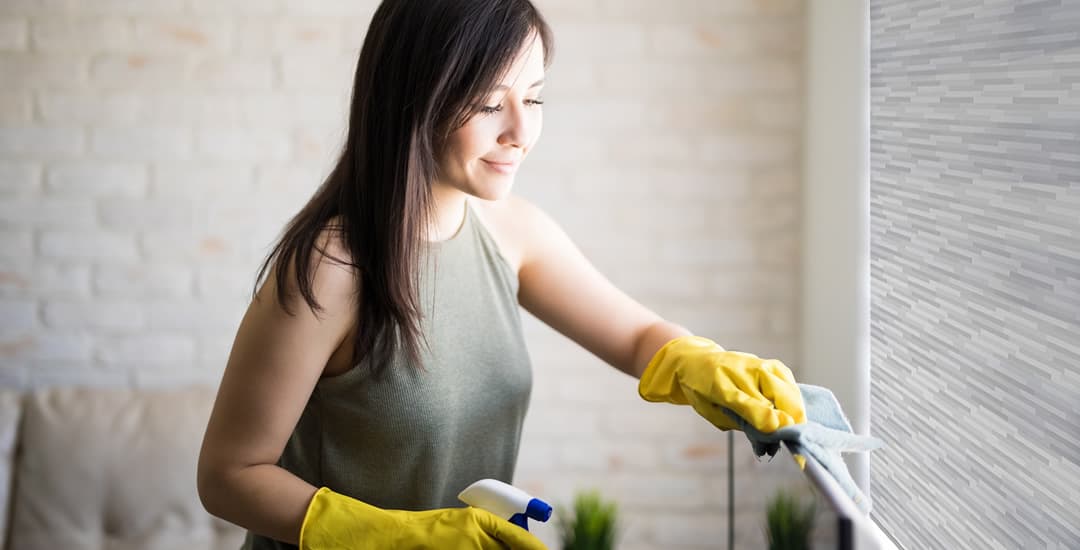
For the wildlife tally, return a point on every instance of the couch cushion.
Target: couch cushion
(10, 412)
(113, 468)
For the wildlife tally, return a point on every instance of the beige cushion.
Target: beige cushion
(10, 409)
(113, 469)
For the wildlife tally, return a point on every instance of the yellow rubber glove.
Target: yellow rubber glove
(335, 521)
(695, 371)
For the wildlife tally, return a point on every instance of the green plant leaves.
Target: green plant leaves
(788, 522)
(593, 525)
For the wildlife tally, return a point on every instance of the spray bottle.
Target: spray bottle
(506, 501)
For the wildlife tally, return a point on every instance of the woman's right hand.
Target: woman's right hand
(337, 521)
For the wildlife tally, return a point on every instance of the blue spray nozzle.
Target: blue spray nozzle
(538, 510)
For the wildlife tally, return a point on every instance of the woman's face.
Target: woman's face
(482, 157)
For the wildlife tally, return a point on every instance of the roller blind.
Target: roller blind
(975, 272)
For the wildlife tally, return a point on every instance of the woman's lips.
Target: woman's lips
(501, 167)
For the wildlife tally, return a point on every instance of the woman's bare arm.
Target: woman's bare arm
(563, 289)
(275, 362)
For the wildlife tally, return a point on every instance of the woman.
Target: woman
(381, 367)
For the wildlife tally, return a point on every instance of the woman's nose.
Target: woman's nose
(518, 129)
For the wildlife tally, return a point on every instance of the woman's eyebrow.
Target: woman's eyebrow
(505, 87)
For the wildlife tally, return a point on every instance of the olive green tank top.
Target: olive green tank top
(411, 439)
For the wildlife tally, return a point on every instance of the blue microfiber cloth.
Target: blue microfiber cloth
(824, 436)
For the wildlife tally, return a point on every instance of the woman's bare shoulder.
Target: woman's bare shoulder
(334, 279)
(510, 221)
(332, 248)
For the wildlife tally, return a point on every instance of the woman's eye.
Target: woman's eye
(492, 109)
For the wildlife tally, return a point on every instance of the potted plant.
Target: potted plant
(788, 522)
(593, 524)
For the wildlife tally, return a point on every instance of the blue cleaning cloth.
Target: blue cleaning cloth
(824, 436)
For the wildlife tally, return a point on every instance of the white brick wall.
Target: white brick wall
(150, 151)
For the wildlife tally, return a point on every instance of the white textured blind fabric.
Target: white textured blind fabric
(975, 272)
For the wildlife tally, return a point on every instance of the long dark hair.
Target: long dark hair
(424, 67)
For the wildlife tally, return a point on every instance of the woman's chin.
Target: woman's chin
(493, 191)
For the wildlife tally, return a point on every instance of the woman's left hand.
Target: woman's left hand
(695, 371)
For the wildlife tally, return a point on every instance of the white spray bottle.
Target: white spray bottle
(506, 501)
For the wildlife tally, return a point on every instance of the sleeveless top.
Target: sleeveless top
(410, 439)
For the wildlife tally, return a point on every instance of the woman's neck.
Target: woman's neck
(448, 212)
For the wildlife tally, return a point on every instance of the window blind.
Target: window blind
(975, 272)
